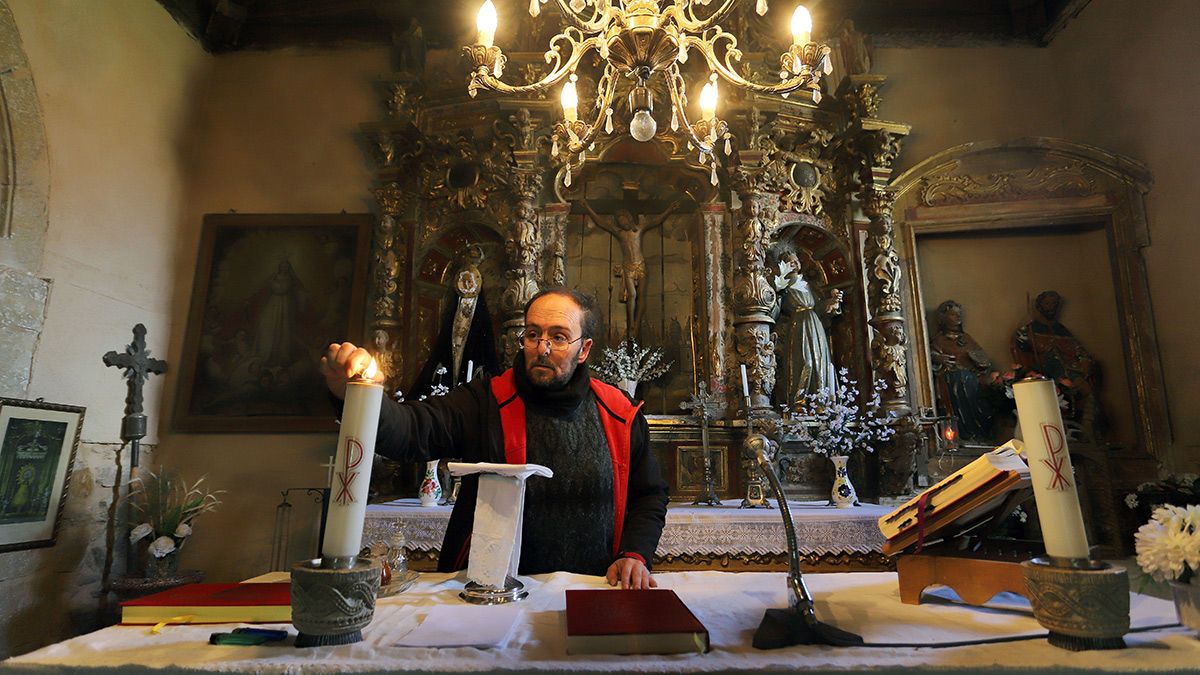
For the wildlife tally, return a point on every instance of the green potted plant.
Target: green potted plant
(165, 508)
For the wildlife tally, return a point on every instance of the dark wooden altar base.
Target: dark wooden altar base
(426, 561)
(975, 580)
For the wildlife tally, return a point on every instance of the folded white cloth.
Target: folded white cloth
(464, 626)
(499, 512)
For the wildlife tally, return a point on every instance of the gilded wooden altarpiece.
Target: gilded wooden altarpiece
(454, 171)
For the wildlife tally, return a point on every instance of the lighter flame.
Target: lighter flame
(371, 370)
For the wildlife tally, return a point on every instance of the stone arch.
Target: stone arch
(24, 193)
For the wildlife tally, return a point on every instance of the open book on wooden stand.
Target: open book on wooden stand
(940, 535)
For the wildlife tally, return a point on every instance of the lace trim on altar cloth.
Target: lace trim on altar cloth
(694, 530)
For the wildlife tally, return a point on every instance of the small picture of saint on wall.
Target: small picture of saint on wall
(28, 465)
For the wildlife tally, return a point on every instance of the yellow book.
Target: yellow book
(952, 488)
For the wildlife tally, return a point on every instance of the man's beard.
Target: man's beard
(539, 379)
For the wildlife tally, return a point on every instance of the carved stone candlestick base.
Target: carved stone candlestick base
(332, 606)
(1083, 603)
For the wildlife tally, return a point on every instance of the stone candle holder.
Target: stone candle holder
(331, 606)
(1083, 603)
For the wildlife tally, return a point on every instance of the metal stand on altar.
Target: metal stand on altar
(756, 496)
(703, 406)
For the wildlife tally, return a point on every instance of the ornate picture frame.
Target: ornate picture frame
(271, 292)
(37, 455)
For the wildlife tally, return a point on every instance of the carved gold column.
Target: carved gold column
(879, 145)
(553, 223)
(713, 279)
(753, 295)
(522, 245)
(389, 254)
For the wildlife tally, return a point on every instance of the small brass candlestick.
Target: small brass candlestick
(331, 605)
(1083, 603)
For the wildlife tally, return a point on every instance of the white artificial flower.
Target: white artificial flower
(162, 546)
(140, 532)
(1131, 500)
(183, 530)
(1168, 547)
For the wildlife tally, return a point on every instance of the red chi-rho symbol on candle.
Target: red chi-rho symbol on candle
(1056, 443)
(354, 455)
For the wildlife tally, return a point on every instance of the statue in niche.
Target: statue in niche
(962, 371)
(1044, 345)
(629, 229)
(409, 45)
(808, 364)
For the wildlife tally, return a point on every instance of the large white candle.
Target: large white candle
(470, 369)
(1050, 468)
(352, 468)
(745, 382)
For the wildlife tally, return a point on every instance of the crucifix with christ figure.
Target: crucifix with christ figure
(623, 219)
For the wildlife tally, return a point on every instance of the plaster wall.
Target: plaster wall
(115, 112)
(279, 134)
(1145, 106)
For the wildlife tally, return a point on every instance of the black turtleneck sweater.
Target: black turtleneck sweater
(568, 518)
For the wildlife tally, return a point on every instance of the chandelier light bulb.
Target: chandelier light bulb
(801, 26)
(570, 102)
(708, 101)
(486, 23)
(643, 127)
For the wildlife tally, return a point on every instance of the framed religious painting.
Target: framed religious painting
(37, 453)
(271, 292)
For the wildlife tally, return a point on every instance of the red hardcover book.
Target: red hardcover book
(213, 603)
(613, 621)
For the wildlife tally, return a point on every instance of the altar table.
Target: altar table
(729, 604)
(695, 537)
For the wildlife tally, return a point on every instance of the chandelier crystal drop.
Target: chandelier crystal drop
(642, 40)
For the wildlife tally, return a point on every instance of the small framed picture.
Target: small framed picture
(272, 291)
(689, 470)
(37, 453)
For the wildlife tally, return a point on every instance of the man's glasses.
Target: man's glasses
(557, 343)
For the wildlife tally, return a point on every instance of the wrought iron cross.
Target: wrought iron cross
(704, 405)
(138, 367)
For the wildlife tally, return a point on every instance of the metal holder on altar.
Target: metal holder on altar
(331, 605)
(478, 594)
(756, 494)
(1083, 603)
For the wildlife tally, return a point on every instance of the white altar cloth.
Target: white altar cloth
(689, 529)
(729, 604)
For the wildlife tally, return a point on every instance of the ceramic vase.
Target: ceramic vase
(165, 567)
(843, 495)
(628, 386)
(431, 489)
(1187, 604)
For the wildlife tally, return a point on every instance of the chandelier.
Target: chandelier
(639, 40)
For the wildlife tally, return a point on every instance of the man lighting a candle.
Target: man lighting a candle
(604, 510)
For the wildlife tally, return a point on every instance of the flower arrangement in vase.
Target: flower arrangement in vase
(629, 364)
(165, 508)
(837, 424)
(1168, 549)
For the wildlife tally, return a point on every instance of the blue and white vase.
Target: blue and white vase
(843, 495)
